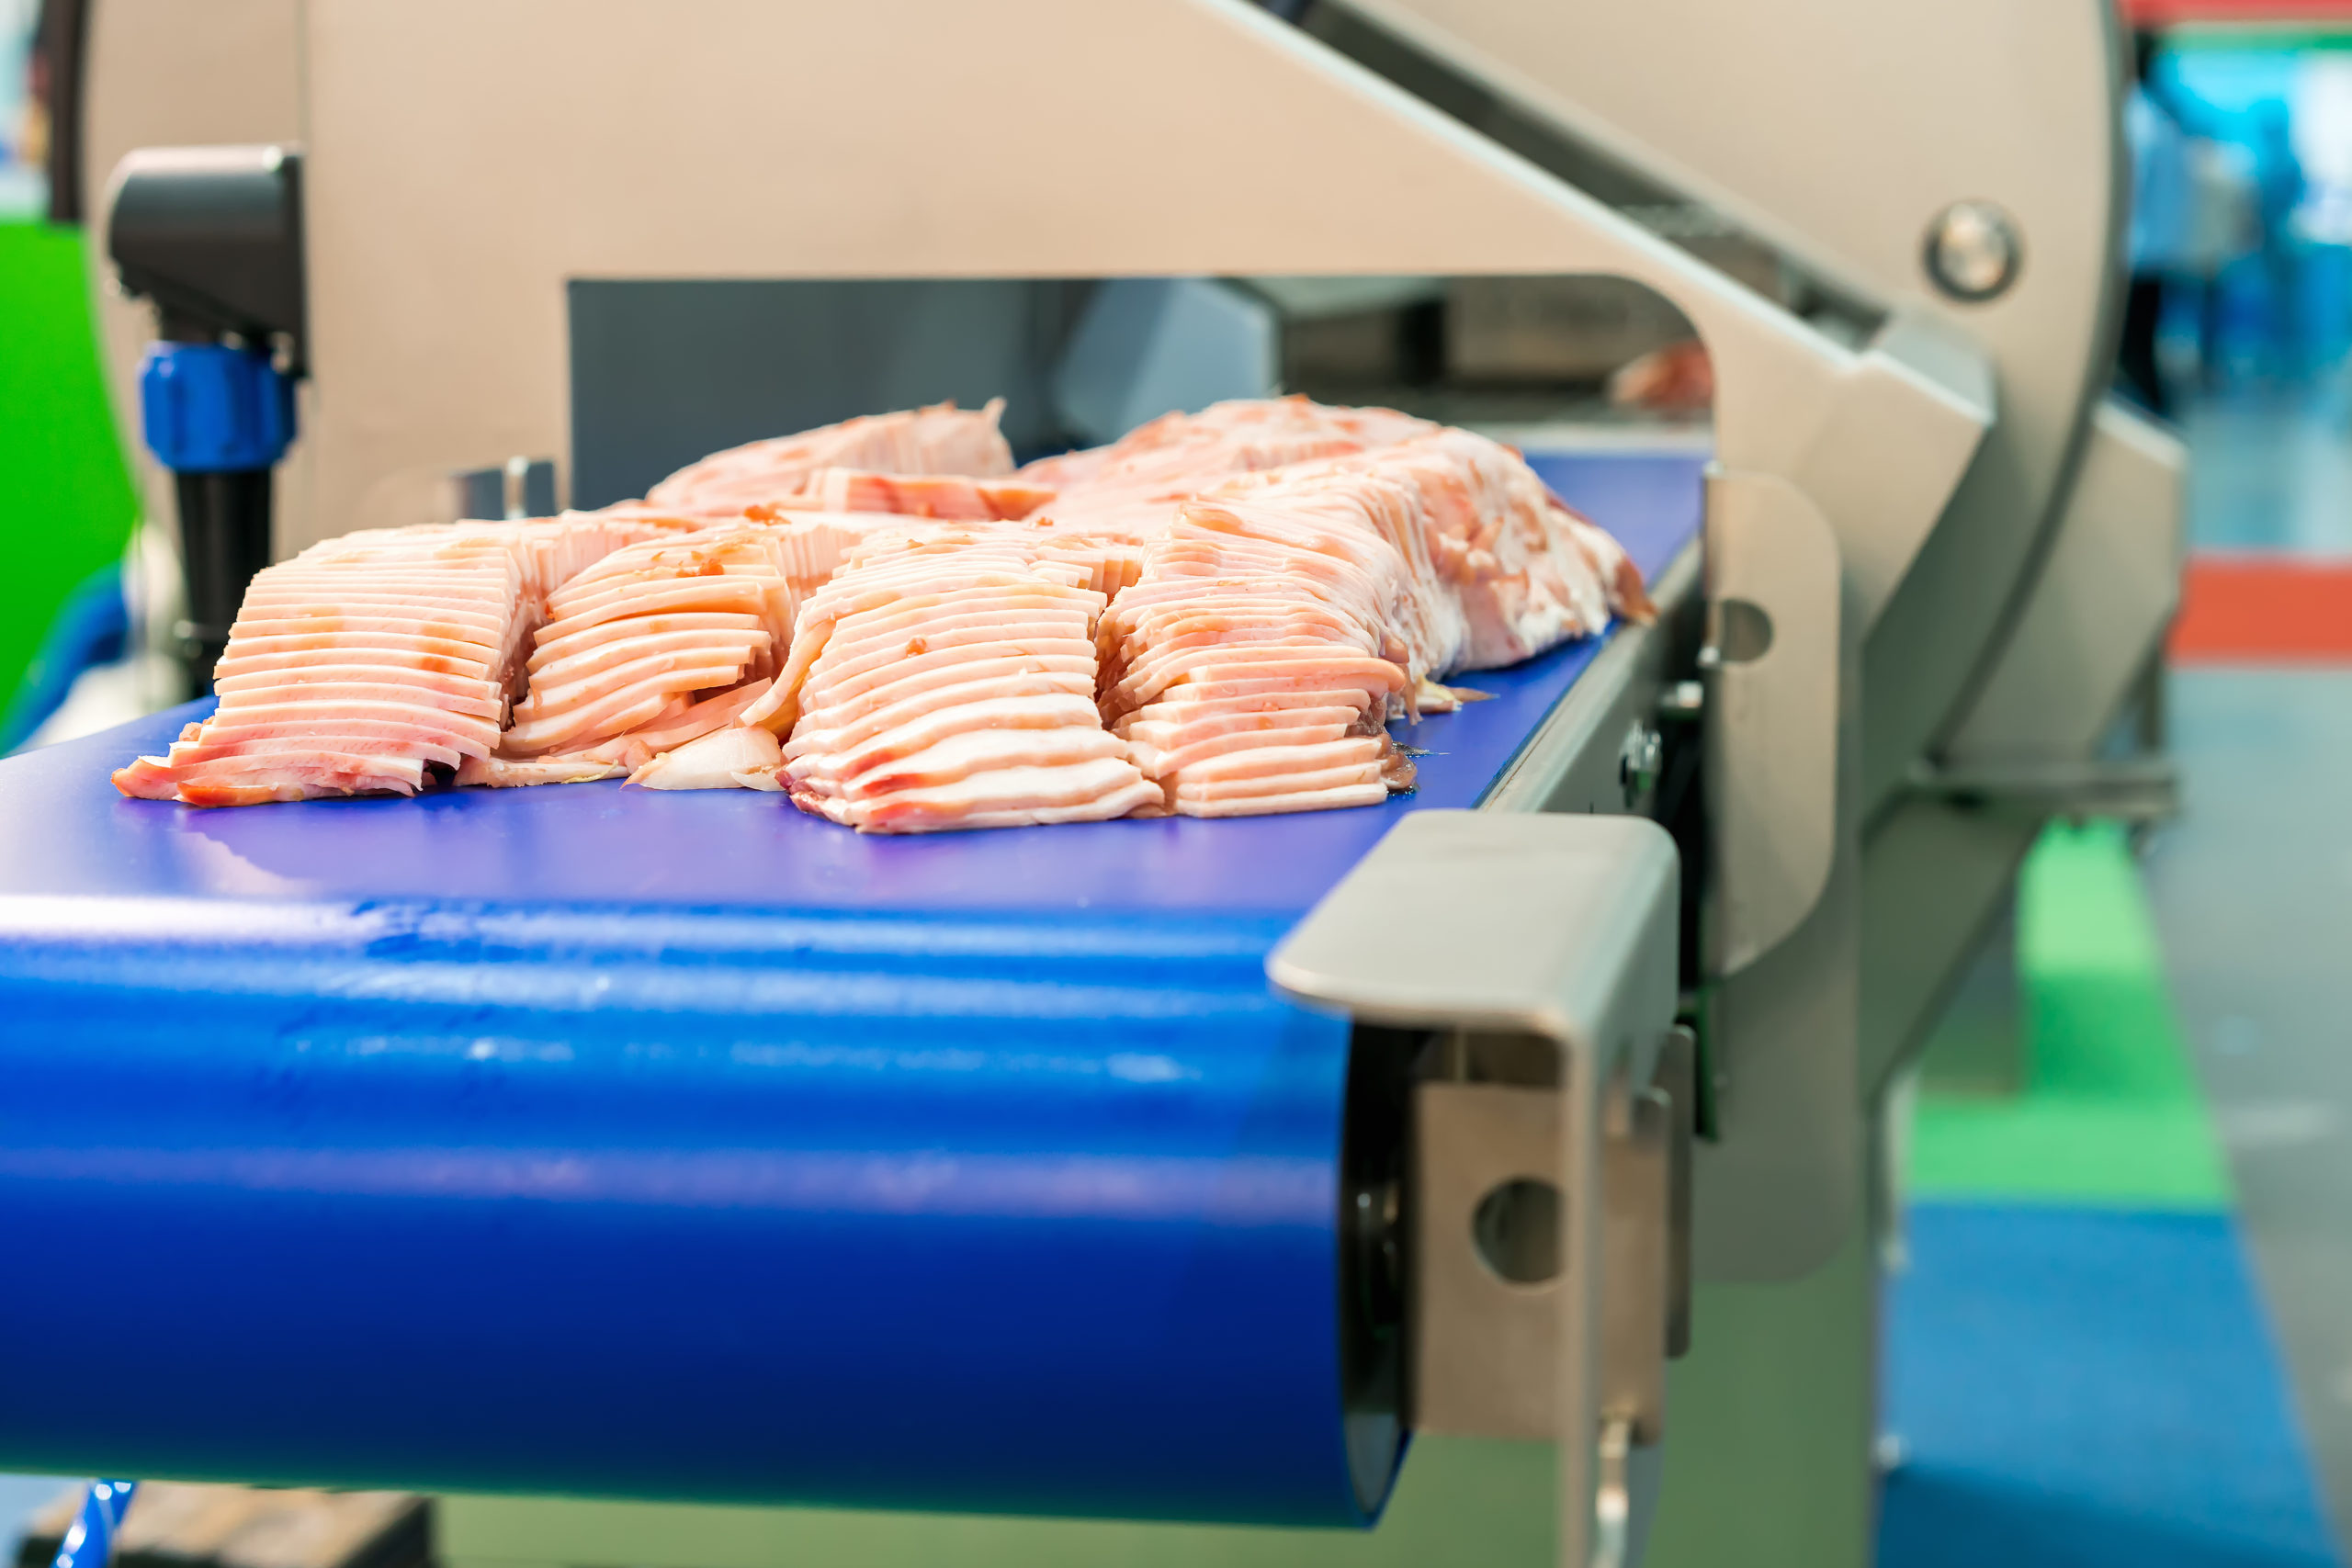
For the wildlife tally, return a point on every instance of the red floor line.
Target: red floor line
(2264, 609)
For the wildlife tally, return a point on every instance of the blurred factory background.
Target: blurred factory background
(2146, 1095)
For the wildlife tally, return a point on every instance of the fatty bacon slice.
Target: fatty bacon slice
(942, 439)
(945, 682)
(1255, 666)
(949, 497)
(363, 661)
(1178, 455)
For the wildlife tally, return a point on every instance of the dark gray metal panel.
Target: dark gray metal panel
(666, 370)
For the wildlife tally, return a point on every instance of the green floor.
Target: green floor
(2110, 1111)
(67, 504)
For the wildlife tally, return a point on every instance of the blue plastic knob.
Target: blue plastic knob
(209, 409)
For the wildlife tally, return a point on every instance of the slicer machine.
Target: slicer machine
(558, 1142)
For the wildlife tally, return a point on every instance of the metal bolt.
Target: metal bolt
(1974, 251)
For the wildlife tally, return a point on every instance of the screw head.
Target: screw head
(1973, 252)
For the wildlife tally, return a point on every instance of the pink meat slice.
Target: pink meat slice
(848, 720)
(309, 681)
(327, 723)
(590, 708)
(479, 611)
(952, 497)
(612, 638)
(744, 640)
(1180, 454)
(889, 769)
(862, 660)
(697, 720)
(945, 738)
(326, 699)
(942, 439)
(1006, 797)
(853, 724)
(295, 663)
(1325, 797)
(1166, 748)
(1303, 669)
(615, 714)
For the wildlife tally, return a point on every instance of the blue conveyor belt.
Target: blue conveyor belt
(587, 1140)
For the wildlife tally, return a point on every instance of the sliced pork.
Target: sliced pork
(946, 679)
(1287, 615)
(1256, 664)
(1218, 615)
(650, 648)
(942, 439)
(955, 497)
(1526, 572)
(365, 662)
(1178, 455)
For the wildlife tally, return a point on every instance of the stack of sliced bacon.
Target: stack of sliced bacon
(1218, 615)
(1526, 572)
(1254, 667)
(365, 660)
(943, 439)
(658, 645)
(1530, 575)
(946, 679)
(1240, 696)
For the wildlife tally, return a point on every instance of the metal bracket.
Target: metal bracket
(1770, 714)
(1485, 1312)
(1543, 1196)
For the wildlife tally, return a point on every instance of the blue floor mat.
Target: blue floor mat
(2086, 1388)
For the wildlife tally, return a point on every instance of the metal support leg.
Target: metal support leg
(1775, 1417)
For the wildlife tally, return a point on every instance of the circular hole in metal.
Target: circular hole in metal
(1743, 631)
(1517, 1229)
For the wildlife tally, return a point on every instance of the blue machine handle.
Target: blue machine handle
(90, 1542)
(211, 409)
(220, 418)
